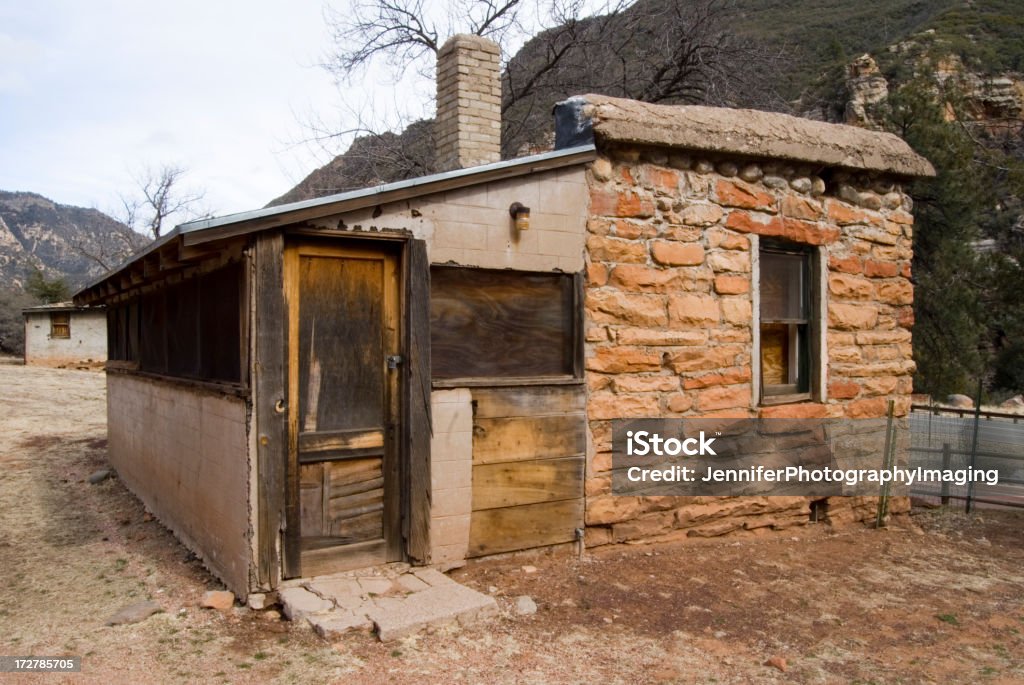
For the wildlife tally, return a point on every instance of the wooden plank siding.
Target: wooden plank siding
(528, 467)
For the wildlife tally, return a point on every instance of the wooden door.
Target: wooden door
(343, 506)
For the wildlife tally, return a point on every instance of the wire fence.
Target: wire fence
(968, 439)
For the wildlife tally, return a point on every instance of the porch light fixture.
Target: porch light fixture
(520, 213)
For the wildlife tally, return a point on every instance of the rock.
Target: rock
(1015, 402)
(727, 169)
(221, 600)
(679, 161)
(776, 182)
(703, 166)
(801, 184)
(865, 86)
(257, 601)
(271, 615)
(98, 477)
(525, 606)
(134, 613)
(529, 569)
(777, 662)
(817, 186)
(960, 401)
(751, 173)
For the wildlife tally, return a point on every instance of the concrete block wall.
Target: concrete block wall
(87, 344)
(670, 311)
(451, 457)
(472, 227)
(184, 453)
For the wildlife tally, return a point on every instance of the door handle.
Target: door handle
(394, 361)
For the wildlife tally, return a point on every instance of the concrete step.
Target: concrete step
(395, 601)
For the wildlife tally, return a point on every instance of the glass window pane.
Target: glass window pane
(783, 287)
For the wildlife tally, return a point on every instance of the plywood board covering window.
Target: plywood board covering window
(500, 324)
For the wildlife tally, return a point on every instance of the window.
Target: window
(505, 324)
(60, 324)
(189, 329)
(787, 323)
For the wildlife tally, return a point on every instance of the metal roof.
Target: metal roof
(205, 230)
(424, 182)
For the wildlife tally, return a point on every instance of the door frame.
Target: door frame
(357, 555)
(268, 369)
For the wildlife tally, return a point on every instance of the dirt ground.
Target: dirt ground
(942, 602)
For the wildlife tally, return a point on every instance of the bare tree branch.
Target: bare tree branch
(160, 200)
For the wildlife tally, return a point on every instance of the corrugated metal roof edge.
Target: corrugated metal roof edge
(511, 168)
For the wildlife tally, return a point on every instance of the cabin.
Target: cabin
(64, 335)
(427, 371)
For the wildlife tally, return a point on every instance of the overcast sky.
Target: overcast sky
(93, 92)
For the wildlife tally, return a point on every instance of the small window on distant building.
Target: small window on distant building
(786, 322)
(60, 325)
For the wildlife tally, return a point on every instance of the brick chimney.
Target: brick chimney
(468, 125)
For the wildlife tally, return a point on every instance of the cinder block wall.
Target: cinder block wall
(671, 242)
(472, 227)
(451, 475)
(184, 453)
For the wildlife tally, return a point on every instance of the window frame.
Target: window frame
(816, 261)
(60, 329)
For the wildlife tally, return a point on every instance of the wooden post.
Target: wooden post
(269, 378)
(416, 400)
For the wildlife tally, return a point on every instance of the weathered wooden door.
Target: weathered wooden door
(343, 506)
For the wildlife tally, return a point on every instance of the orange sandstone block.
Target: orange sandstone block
(743, 195)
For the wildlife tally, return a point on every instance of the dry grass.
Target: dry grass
(940, 603)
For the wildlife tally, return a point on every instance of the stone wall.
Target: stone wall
(671, 254)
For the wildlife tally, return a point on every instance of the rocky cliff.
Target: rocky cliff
(62, 240)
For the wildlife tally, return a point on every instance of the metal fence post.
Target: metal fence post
(887, 459)
(974, 448)
(947, 455)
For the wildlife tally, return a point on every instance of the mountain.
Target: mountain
(62, 240)
(783, 55)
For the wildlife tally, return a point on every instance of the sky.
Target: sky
(93, 93)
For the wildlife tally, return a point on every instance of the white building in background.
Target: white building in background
(62, 335)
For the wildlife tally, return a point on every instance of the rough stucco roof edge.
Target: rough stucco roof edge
(752, 133)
